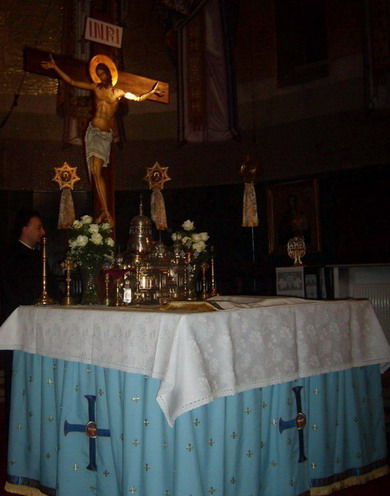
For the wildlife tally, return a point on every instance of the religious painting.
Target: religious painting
(293, 210)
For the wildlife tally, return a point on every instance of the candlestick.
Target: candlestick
(44, 299)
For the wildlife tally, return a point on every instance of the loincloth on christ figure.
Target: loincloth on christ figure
(97, 144)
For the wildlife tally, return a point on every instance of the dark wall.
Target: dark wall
(354, 224)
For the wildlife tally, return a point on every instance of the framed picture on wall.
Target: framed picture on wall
(293, 209)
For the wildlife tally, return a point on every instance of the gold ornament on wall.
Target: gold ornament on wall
(248, 170)
(66, 177)
(156, 176)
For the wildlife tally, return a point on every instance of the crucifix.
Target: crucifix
(108, 85)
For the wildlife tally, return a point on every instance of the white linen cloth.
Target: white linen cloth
(257, 342)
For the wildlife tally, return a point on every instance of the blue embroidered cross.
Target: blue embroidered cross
(90, 429)
(299, 422)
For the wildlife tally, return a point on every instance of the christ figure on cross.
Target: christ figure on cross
(98, 137)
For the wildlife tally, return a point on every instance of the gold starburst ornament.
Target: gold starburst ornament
(157, 176)
(66, 176)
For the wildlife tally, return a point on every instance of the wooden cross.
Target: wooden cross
(78, 70)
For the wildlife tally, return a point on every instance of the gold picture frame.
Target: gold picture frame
(293, 209)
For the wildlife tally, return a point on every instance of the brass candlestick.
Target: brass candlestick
(44, 299)
(204, 295)
(213, 289)
(107, 299)
(118, 300)
(68, 265)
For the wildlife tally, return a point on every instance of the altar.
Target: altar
(257, 396)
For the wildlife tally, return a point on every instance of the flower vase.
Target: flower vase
(89, 277)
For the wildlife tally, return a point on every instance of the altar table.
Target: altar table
(263, 396)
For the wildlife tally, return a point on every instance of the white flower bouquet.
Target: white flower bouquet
(191, 239)
(90, 244)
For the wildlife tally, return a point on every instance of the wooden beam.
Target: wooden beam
(78, 70)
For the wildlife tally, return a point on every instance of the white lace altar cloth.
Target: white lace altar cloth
(251, 342)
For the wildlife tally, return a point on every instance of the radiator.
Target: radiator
(379, 295)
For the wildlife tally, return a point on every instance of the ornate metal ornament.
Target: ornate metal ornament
(296, 249)
(66, 176)
(156, 176)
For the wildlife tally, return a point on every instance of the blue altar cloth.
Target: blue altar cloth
(79, 429)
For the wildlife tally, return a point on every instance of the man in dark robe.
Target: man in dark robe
(21, 271)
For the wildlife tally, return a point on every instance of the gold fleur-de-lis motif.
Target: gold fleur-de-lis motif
(189, 447)
(233, 435)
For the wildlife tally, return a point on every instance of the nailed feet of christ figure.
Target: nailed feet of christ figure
(98, 138)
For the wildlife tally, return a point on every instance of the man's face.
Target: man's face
(33, 233)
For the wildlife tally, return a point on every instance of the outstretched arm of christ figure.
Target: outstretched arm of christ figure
(154, 91)
(50, 64)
